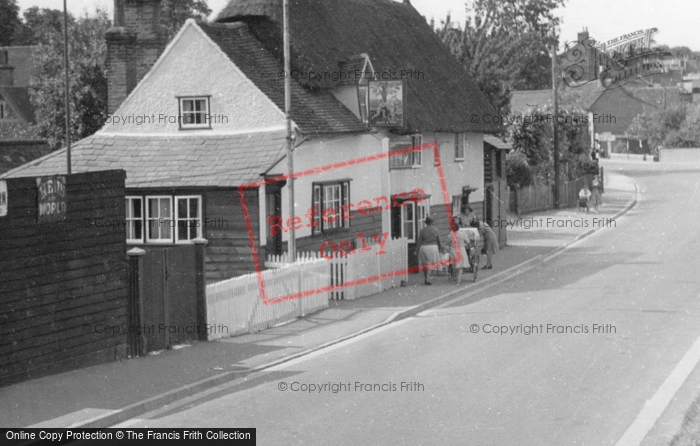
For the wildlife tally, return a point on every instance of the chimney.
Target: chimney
(583, 35)
(134, 44)
(7, 78)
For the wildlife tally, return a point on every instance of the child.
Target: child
(583, 197)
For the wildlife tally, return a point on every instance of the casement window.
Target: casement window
(188, 211)
(330, 201)
(194, 113)
(163, 219)
(413, 218)
(159, 219)
(134, 220)
(459, 146)
(411, 159)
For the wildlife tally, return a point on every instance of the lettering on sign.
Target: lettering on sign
(52, 198)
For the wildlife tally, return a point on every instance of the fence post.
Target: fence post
(602, 180)
(200, 287)
(135, 340)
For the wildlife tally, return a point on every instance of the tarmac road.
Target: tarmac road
(608, 321)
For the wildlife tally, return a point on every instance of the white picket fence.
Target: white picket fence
(237, 304)
(360, 274)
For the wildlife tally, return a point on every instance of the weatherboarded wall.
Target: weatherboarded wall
(62, 282)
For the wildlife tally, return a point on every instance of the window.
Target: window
(194, 113)
(456, 204)
(159, 218)
(134, 220)
(189, 218)
(408, 159)
(459, 146)
(331, 206)
(4, 110)
(412, 219)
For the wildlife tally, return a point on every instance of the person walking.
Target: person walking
(596, 195)
(428, 248)
(490, 243)
(466, 241)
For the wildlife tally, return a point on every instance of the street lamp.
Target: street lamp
(290, 137)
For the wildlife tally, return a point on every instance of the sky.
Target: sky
(676, 20)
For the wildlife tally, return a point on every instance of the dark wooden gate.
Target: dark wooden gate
(171, 298)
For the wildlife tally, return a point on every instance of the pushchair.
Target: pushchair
(474, 259)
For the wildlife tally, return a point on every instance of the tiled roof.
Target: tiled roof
(522, 101)
(441, 95)
(159, 161)
(14, 153)
(314, 111)
(497, 142)
(18, 98)
(25, 60)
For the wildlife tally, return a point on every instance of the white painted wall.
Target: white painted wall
(469, 172)
(192, 66)
(368, 179)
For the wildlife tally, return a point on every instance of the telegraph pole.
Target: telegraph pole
(554, 122)
(292, 249)
(65, 64)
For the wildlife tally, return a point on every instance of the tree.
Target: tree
(532, 140)
(39, 26)
(174, 13)
(656, 126)
(9, 21)
(87, 77)
(503, 45)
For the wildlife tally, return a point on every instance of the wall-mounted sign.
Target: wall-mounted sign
(387, 103)
(52, 198)
(3, 198)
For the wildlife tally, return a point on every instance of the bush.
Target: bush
(518, 172)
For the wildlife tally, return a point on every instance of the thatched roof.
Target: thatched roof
(324, 33)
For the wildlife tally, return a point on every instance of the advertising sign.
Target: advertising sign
(387, 103)
(52, 198)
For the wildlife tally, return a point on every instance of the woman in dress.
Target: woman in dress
(428, 248)
(490, 243)
(463, 241)
(596, 196)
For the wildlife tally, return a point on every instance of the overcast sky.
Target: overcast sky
(676, 20)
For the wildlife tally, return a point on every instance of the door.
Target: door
(273, 208)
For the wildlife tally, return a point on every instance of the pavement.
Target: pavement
(108, 394)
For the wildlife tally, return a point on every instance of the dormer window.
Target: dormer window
(194, 113)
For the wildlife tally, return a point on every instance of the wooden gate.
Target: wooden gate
(170, 308)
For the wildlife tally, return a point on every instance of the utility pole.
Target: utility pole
(65, 65)
(554, 122)
(292, 249)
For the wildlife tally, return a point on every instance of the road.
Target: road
(628, 297)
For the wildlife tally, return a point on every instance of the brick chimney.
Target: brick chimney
(583, 35)
(7, 78)
(134, 44)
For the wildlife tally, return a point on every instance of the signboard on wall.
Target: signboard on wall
(3, 198)
(51, 198)
(387, 103)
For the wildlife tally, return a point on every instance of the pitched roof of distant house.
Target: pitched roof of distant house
(18, 98)
(25, 60)
(161, 161)
(524, 100)
(441, 96)
(314, 111)
(14, 153)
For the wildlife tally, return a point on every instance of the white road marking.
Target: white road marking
(655, 406)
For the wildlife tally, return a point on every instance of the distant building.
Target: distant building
(17, 66)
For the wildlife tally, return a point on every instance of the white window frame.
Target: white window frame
(159, 219)
(318, 198)
(133, 220)
(460, 144)
(184, 125)
(404, 220)
(417, 156)
(177, 219)
(422, 211)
